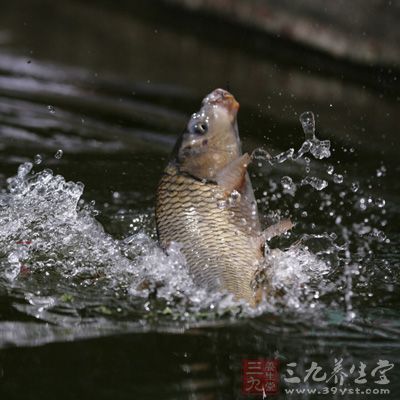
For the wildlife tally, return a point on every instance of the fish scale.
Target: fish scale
(218, 249)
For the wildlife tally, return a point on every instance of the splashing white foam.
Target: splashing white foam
(45, 229)
(291, 273)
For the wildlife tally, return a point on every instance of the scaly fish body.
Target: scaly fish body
(206, 203)
(217, 240)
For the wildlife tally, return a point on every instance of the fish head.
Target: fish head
(211, 139)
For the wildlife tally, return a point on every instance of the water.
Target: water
(83, 283)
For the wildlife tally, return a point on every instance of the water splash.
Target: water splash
(282, 157)
(307, 121)
(296, 274)
(357, 219)
(319, 149)
(48, 233)
(316, 183)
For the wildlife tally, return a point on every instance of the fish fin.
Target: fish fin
(232, 177)
(277, 229)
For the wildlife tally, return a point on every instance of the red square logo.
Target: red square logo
(260, 376)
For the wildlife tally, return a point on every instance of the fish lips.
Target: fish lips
(223, 98)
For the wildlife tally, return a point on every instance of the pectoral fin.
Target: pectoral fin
(277, 229)
(232, 177)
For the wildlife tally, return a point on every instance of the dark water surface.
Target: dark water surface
(112, 89)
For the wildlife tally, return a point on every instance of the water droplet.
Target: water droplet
(351, 315)
(221, 204)
(305, 148)
(59, 154)
(381, 171)
(287, 182)
(308, 123)
(233, 198)
(337, 178)
(330, 169)
(363, 204)
(24, 169)
(315, 182)
(51, 109)
(260, 154)
(282, 157)
(380, 236)
(37, 159)
(379, 202)
(235, 195)
(321, 149)
(354, 187)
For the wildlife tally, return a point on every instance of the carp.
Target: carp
(205, 202)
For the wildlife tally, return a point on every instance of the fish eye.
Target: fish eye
(200, 128)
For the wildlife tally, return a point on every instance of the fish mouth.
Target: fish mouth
(223, 98)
